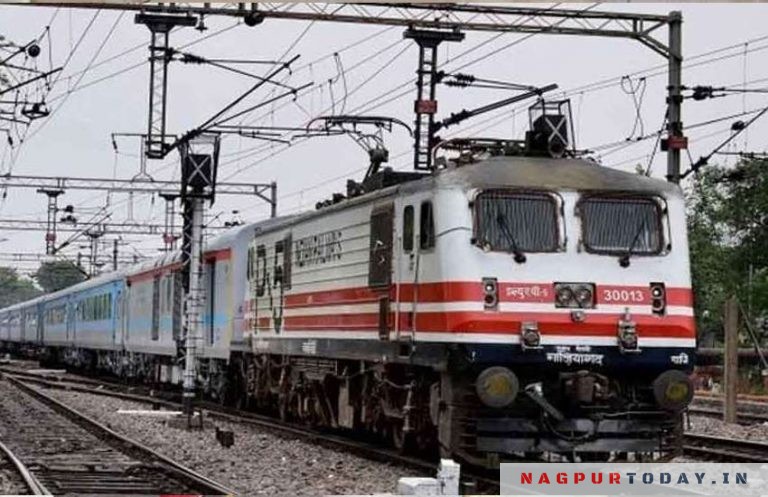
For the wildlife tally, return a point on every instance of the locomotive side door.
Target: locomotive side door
(380, 262)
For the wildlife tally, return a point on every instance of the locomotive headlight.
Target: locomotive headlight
(584, 296)
(673, 390)
(497, 387)
(564, 296)
(575, 295)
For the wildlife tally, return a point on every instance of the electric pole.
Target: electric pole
(199, 161)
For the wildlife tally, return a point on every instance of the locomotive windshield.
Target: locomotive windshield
(513, 222)
(615, 225)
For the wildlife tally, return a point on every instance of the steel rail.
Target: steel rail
(724, 449)
(200, 482)
(30, 480)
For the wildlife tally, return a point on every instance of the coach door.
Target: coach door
(380, 261)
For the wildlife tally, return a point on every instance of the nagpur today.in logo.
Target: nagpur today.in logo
(651, 479)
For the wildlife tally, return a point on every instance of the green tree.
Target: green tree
(14, 289)
(728, 235)
(57, 275)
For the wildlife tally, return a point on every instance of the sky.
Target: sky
(103, 89)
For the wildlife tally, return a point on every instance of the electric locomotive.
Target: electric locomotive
(512, 304)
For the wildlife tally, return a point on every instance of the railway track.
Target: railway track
(59, 451)
(33, 486)
(745, 418)
(700, 446)
(476, 482)
(711, 448)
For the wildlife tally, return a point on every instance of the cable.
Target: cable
(366, 107)
(703, 160)
(139, 64)
(82, 75)
(656, 145)
(339, 50)
(637, 92)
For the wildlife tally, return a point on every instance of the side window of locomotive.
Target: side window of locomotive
(261, 270)
(278, 264)
(426, 227)
(287, 260)
(249, 265)
(408, 229)
(621, 225)
(507, 221)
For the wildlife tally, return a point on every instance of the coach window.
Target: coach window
(426, 227)
(408, 229)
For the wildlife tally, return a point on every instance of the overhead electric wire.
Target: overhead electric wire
(82, 75)
(365, 107)
(702, 161)
(344, 48)
(126, 69)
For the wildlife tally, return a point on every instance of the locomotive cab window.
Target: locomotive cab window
(507, 221)
(621, 225)
(426, 226)
(408, 229)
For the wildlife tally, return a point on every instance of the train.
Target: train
(512, 304)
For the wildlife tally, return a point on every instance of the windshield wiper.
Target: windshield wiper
(519, 255)
(624, 259)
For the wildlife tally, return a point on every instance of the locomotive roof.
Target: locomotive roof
(518, 172)
(548, 173)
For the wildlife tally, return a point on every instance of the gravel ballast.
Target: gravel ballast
(259, 463)
(717, 428)
(10, 481)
